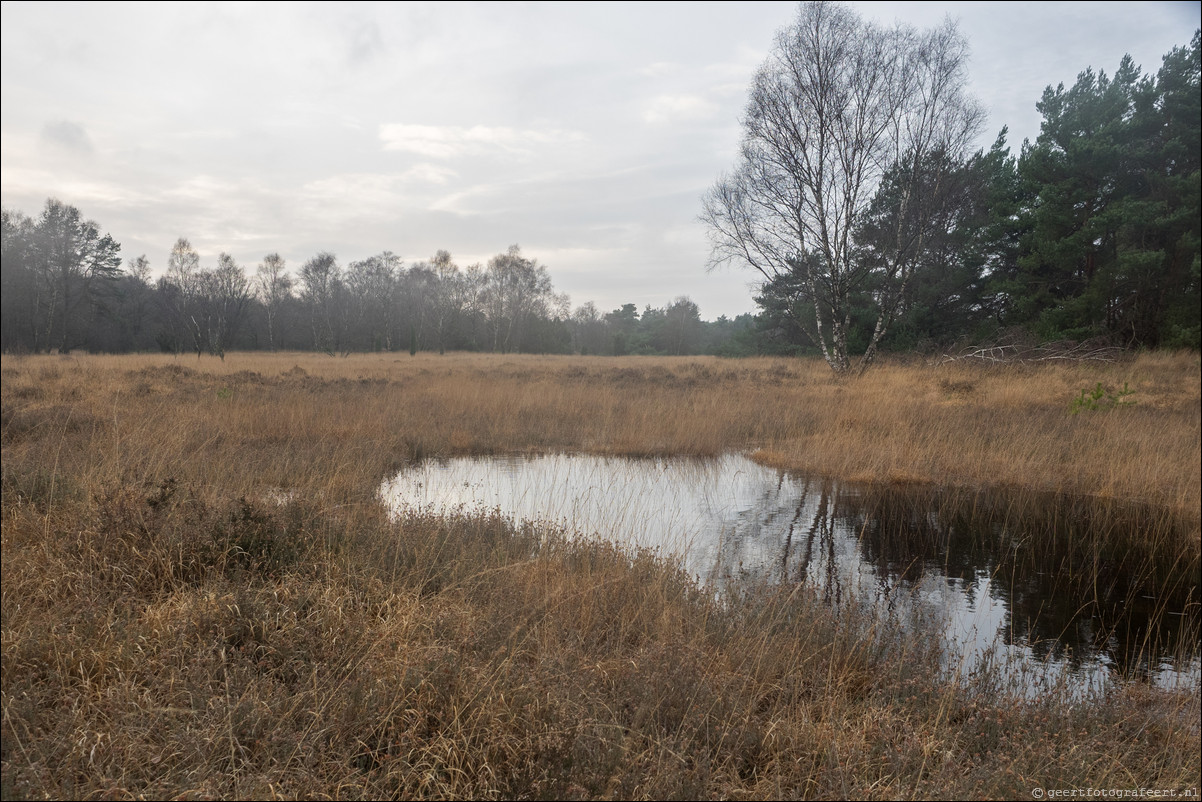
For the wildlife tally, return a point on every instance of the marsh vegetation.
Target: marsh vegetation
(1030, 594)
(205, 595)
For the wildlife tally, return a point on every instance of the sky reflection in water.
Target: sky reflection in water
(730, 519)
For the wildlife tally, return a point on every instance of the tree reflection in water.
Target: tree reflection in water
(1051, 587)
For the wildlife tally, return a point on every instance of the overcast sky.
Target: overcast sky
(585, 133)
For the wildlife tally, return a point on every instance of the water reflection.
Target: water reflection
(1024, 591)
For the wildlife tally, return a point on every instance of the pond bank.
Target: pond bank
(1054, 593)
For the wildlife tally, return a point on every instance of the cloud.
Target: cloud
(68, 136)
(359, 193)
(460, 202)
(657, 69)
(353, 193)
(204, 187)
(450, 141)
(372, 195)
(428, 173)
(678, 108)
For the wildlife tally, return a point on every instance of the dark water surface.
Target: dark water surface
(1038, 595)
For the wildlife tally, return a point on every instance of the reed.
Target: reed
(203, 596)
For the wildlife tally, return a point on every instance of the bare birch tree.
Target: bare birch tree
(321, 292)
(180, 290)
(372, 286)
(840, 104)
(225, 292)
(208, 305)
(451, 297)
(516, 289)
(273, 285)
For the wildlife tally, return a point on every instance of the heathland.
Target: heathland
(203, 595)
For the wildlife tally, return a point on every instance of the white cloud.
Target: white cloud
(428, 173)
(206, 188)
(461, 202)
(27, 188)
(657, 69)
(449, 141)
(576, 257)
(678, 108)
(352, 193)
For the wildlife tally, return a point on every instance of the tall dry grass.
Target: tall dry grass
(202, 596)
(957, 424)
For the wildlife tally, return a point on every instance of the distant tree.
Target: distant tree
(180, 295)
(623, 324)
(225, 294)
(840, 106)
(139, 268)
(418, 299)
(649, 338)
(451, 297)
(20, 290)
(372, 287)
(205, 308)
(516, 290)
(131, 308)
(273, 287)
(589, 330)
(741, 336)
(74, 264)
(474, 331)
(681, 332)
(322, 293)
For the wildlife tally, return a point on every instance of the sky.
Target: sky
(585, 133)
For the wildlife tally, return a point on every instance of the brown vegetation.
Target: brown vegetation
(202, 596)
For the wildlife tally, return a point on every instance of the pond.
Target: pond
(1017, 591)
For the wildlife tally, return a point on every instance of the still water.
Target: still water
(992, 589)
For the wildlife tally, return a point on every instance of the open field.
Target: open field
(202, 596)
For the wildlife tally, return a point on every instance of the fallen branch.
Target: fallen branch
(1024, 353)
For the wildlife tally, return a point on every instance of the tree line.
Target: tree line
(64, 288)
(871, 227)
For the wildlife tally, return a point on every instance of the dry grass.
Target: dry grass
(174, 625)
(963, 425)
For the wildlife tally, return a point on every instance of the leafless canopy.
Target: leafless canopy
(840, 104)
